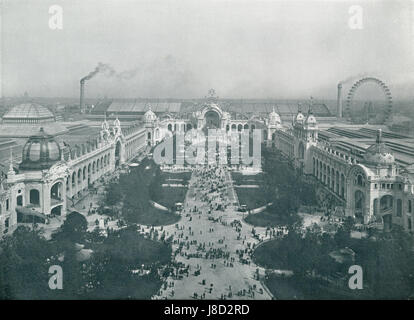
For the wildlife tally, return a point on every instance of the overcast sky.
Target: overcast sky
(249, 49)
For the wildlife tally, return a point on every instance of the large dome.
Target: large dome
(40, 152)
(28, 113)
(379, 153)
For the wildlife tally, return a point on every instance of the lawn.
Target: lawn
(137, 288)
(143, 184)
(251, 197)
(239, 178)
(297, 287)
(271, 255)
(265, 219)
(184, 176)
(283, 288)
(155, 217)
(140, 250)
(172, 195)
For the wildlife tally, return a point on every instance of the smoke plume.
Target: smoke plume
(109, 71)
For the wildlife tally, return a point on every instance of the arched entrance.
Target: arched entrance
(34, 197)
(19, 200)
(212, 119)
(359, 199)
(386, 210)
(149, 138)
(89, 174)
(56, 192)
(56, 211)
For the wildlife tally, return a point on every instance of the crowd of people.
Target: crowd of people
(208, 201)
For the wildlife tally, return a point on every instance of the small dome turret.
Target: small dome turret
(274, 118)
(299, 117)
(150, 116)
(310, 119)
(379, 153)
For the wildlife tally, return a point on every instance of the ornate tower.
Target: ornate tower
(306, 136)
(274, 124)
(150, 119)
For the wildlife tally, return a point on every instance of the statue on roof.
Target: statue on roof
(211, 95)
(11, 169)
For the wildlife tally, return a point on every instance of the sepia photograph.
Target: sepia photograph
(173, 152)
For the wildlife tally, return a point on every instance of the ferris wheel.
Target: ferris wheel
(387, 95)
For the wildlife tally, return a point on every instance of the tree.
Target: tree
(342, 237)
(113, 194)
(25, 257)
(307, 192)
(73, 229)
(155, 188)
(349, 224)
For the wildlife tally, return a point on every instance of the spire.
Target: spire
(379, 136)
(310, 106)
(11, 170)
(105, 125)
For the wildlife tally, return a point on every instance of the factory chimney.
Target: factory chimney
(339, 102)
(82, 93)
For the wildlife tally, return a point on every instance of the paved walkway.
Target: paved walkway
(205, 244)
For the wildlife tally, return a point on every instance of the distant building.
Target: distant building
(372, 176)
(58, 162)
(28, 113)
(370, 171)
